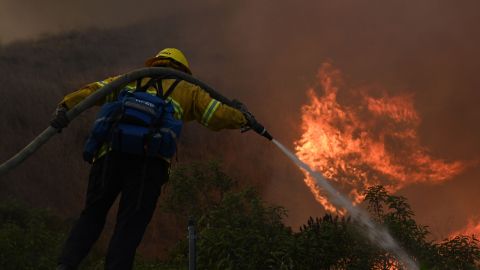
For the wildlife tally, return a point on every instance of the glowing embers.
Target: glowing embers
(363, 137)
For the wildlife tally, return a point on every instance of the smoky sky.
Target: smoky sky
(266, 53)
(27, 19)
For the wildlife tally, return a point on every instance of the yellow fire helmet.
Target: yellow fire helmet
(175, 55)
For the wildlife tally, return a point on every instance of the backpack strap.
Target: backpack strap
(169, 90)
(139, 85)
(158, 84)
(144, 88)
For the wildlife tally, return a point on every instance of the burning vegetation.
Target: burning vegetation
(369, 141)
(472, 228)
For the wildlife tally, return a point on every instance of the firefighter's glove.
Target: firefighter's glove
(248, 115)
(60, 119)
(251, 121)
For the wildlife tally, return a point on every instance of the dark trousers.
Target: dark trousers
(139, 180)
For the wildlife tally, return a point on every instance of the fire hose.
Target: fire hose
(377, 234)
(117, 84)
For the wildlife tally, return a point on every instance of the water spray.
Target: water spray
(377, 234)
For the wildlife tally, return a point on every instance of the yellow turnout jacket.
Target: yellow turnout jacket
(190, 102)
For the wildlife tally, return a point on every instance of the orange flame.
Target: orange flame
(364, 141)
(472, 228)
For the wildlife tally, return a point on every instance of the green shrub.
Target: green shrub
(236, 229)
(29, 238)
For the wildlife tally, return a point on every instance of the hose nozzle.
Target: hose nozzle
(260, 129)
(266, 134)
(251, 121)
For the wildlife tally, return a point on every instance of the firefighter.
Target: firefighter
(113, 173)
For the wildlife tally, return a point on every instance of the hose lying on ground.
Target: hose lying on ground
(119, 83)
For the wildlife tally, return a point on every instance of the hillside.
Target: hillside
(37, 74)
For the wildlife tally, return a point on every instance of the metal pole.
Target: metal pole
(192, 256)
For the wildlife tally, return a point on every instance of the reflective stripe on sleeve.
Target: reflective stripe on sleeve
(209, 111)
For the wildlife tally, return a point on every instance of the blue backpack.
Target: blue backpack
(137, 123)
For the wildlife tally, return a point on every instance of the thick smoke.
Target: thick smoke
(265, 55)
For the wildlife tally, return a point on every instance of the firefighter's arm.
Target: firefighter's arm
(72, 99)
(214, 114)
(60, 119)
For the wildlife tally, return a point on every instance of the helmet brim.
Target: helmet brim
(151, 62)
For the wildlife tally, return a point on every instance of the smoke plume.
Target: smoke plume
(262, 54)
